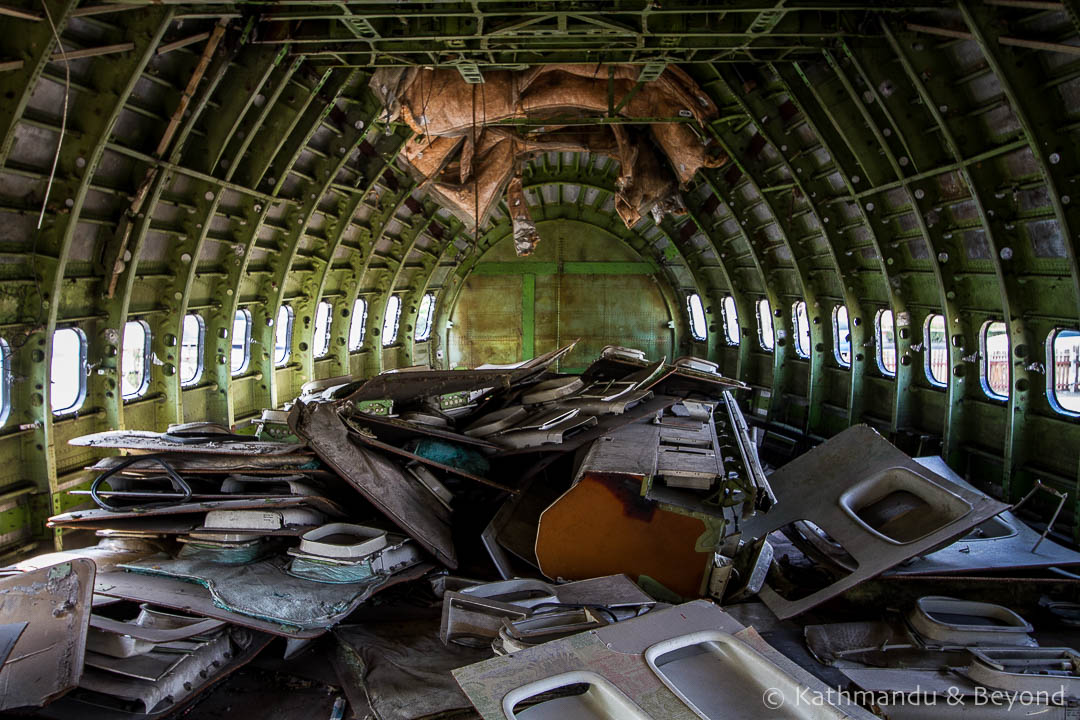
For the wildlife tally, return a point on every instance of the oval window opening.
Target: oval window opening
(424, 317)
(135, 360)
(995, 360)
(937, 351)
(358, 325)
(886, 343)
(390, 322)
(191, 349)
(731, 320)
(283, 327)
(696, 311)
(802, 328)
(67, 368)
(321, 340)
(765, 325)
(241, 342)
(1064, 376)
(842, 336)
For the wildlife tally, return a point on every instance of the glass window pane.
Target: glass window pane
(937, 350)
(134, 363)
(886, 337)
(995, 352)
(358, 325)
(241, 335)
(390, 322)
(765, 326)
(191, 349)
(424, 317)
(1065, 370)
(731, 320)
(696, 310)
(283, 327)
(67, 370)
(842, 336)
(802, 328)
(323, 316)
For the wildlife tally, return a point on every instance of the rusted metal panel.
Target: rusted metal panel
(487, 322)
(606, 310)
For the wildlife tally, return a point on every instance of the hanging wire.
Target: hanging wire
(63, 117)
(475, 174)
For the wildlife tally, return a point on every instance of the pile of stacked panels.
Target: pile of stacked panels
(603, 545)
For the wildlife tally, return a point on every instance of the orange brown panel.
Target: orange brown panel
(602, 526)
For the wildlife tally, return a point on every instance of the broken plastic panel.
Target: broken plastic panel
(949, 621)
(874, 501)
(600, 700)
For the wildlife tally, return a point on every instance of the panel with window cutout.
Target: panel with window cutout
(192, 344)
(936, 352)
(283, 327)
(841, 324)
(1063, 371)
(390, 321)
(765, 324)
(67, 371)
(885, 331)
(424, 317)
(358, 325)
(240, 357)
(994, 348)
(135, 360)
(731, 320)
(801, 325)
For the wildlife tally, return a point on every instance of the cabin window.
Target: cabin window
(765, 326)
(696, 311)
(5, 381)
(936, 350)
(994, 347)
(358, 324)
(1063, 375)
(390, 321)
(801, 325)
(192, 337)
(241, 342)
(885, 329)
(324, 314)
(841, 325)
(135, 360)
(283, 327)
(424, 317)
(731, 320)
(67, 369)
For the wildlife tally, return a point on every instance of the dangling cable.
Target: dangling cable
(475, 174)
(63, 117)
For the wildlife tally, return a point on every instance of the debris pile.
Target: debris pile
(521, 543)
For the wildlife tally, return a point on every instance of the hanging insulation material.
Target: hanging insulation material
(525, 235)
(493, 127)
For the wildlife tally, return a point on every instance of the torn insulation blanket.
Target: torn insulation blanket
(475, 197)
(646, 184)
(442, 103)
(452, 118)
(525, 235)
